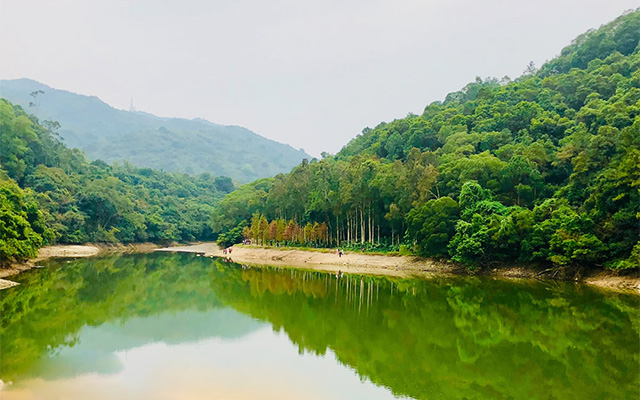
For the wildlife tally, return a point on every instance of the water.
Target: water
(165, 326)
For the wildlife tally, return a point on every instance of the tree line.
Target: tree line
(544, 168)
(52, 194)
(276, 232)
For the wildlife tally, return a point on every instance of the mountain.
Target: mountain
(145, 140)
(52, 194)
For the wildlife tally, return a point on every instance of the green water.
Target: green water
(165, 326)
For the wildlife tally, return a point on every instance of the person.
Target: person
(230, 250)
(339, 253)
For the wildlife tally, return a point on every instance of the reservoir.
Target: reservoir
(179, 326)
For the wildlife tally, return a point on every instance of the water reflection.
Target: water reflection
(98, 349)
(443, 338)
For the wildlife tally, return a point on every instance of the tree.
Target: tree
(16, 133)
(563, 236)
(480, 222)
(233, 236)
(432, 226)
(18, 218)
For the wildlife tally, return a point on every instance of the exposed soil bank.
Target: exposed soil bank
(70, 251)
(401, 266)
(321, 260)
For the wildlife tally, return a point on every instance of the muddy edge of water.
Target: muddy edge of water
(70, 251)
(327, 260)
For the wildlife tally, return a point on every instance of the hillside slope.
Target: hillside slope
(543, 169)
(51, 194)
(145, 140)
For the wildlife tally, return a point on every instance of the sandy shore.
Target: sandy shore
(401, 266)
(71, 251)
(356, 263)
(321, 260)
(67, 251)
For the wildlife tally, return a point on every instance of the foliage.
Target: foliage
(543, 168)
(240, 205)
(432, 226)
(554, 156)
(232, 237)
(69, 200)
(279, 231)
(21, 224)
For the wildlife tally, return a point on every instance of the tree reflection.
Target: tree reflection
(438, 338)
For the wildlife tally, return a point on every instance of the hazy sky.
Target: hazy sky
(311, 74)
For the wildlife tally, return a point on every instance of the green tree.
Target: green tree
(432, 226)
(19, 220)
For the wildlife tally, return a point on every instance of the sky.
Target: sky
(312, 74)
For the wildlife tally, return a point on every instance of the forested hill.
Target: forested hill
(169, 144)
(52, 194)
(544, 168)
(532, 104)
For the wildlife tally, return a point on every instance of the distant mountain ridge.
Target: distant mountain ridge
(146, 140)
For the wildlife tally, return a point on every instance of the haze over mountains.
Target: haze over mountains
(145, 140)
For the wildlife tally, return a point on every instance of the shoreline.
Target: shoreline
(323, 260)
(399, 266)
(70, 251)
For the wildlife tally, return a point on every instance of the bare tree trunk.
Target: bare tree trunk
(370, 238)
(350, 229)
(363, 227)
(354, 227)
(347, 226)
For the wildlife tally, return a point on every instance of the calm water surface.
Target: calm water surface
(165, 326)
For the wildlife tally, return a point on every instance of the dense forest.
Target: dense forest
(52, 194)
(544, 168)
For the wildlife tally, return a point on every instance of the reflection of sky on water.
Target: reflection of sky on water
(249, 361)
(97, 346)
(162, 327)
